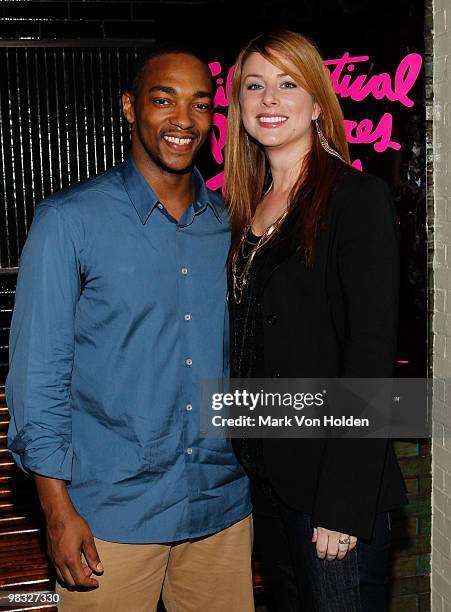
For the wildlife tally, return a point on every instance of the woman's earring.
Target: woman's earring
(323, 142)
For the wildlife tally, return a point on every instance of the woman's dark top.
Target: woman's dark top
(294, 322)
(247, 341)
(247, 345)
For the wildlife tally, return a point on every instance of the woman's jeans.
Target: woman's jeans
(299, 581)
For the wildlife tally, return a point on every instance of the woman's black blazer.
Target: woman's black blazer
(337, 318)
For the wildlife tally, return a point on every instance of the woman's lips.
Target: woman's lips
(271, 121)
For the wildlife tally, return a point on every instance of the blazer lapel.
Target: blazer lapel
(282, 249)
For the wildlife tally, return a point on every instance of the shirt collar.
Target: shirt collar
(145, 200)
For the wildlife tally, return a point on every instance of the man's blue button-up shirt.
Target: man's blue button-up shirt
(120, 313)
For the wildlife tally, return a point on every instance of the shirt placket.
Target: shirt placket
(189, 367)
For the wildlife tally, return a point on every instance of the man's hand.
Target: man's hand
(68, 535)
(329, 543)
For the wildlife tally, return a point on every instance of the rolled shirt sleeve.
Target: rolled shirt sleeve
(42, 347)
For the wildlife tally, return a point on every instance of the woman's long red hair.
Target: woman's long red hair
(246, 170)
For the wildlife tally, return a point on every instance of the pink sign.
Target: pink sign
(347, 84)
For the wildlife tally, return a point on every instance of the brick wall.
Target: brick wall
(441, 444)
(411, 528)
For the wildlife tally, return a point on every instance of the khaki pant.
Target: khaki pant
(209, 574)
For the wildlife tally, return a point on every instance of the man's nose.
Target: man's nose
(182, 117)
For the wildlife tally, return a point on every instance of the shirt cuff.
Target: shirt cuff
(45, 455)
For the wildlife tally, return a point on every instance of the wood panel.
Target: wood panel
(23, 563)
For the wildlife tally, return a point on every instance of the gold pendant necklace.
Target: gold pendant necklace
(239, 281)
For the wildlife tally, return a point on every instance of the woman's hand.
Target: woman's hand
(329, 543)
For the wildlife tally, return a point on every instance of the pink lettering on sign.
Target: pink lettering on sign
(222, 96)
(347, 84)
(215, 182)
(218, 136)
(219, 128)
(364, 132)
(379, 86)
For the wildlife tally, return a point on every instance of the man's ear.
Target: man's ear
(128, 107)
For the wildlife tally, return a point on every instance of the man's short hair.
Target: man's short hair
(146, 54)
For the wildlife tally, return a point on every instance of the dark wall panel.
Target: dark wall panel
(60, 122)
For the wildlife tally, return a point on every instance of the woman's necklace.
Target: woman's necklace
(239, 281)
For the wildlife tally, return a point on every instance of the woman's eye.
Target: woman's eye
(253, 86)
(289, 85)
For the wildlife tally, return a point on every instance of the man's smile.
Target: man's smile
(180, 143)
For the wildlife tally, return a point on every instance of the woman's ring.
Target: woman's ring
(345, 541)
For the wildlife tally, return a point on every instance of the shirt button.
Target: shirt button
(187, 317)
(189, 451)
(160, 205)
(184, 271)
(189, 407)
(189, 362)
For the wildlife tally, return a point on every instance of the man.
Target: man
(120, 312)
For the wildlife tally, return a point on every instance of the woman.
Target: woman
(313, 294)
